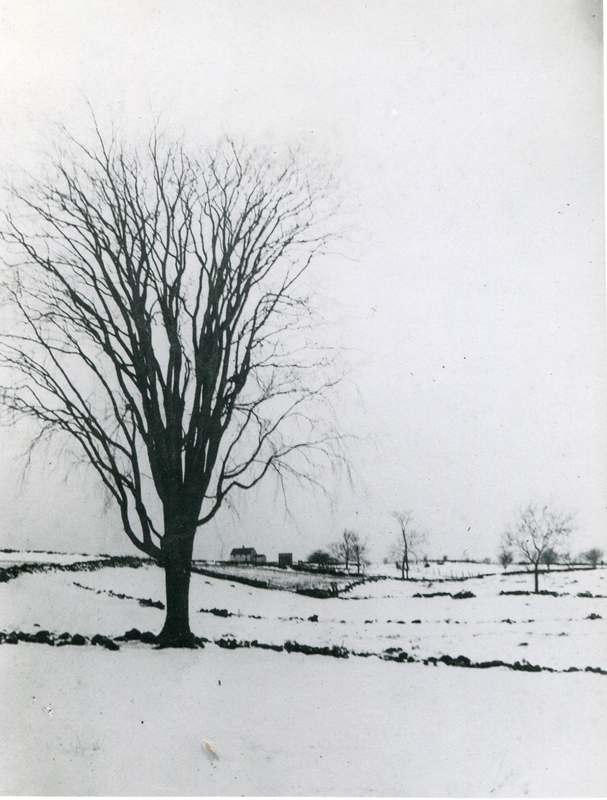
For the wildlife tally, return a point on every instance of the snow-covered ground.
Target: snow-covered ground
(277, 578)
(84, 720)
(290, 578)
(9, 557)
(435, 570)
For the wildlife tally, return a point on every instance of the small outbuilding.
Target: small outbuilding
(285, 559)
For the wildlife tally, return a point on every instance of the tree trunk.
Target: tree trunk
(536, 577)
(177, 546)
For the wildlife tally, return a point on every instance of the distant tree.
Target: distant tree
(567, 559)
(321, 557)
(593, 556)
(343, 549)
(550, 557)
(404, 550)
(359, 552)
(505, 558)
(535, 531)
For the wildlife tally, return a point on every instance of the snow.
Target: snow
(288, 579)
(10, 557)
(134, 722)
(87, 721)
(370, 618)
(435, 570)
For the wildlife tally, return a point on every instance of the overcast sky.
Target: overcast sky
(469, 295)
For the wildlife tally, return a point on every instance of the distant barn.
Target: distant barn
(285, 559)
(246, 555)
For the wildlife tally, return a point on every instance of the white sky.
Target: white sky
(469, 143)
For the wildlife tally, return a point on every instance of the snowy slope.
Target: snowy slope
(550, 631)
(83, 720)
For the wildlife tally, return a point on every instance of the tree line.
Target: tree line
(535, 538)
(350, 549)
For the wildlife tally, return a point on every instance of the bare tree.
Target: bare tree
(567, 559)
(343, 549)
(505, 558)
(593, 556)
(534, 533)
(360, 549)
(408, 542)
(162, 331)
(550, 557)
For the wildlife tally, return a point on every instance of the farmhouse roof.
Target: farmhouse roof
(243, 551)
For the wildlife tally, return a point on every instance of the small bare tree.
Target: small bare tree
(343, 549)
(593, 556)
(534, 533)
(567, 559)
(162, 332)
(550, 557)
(409, 540)
(360, 549)
(505, 558)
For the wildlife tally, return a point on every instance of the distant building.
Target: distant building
(285, 559)
(246, 555)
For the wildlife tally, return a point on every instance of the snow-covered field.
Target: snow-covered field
(292, 579)
(276, 578)
(8, 557)
(436, 570)
(84, 720)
